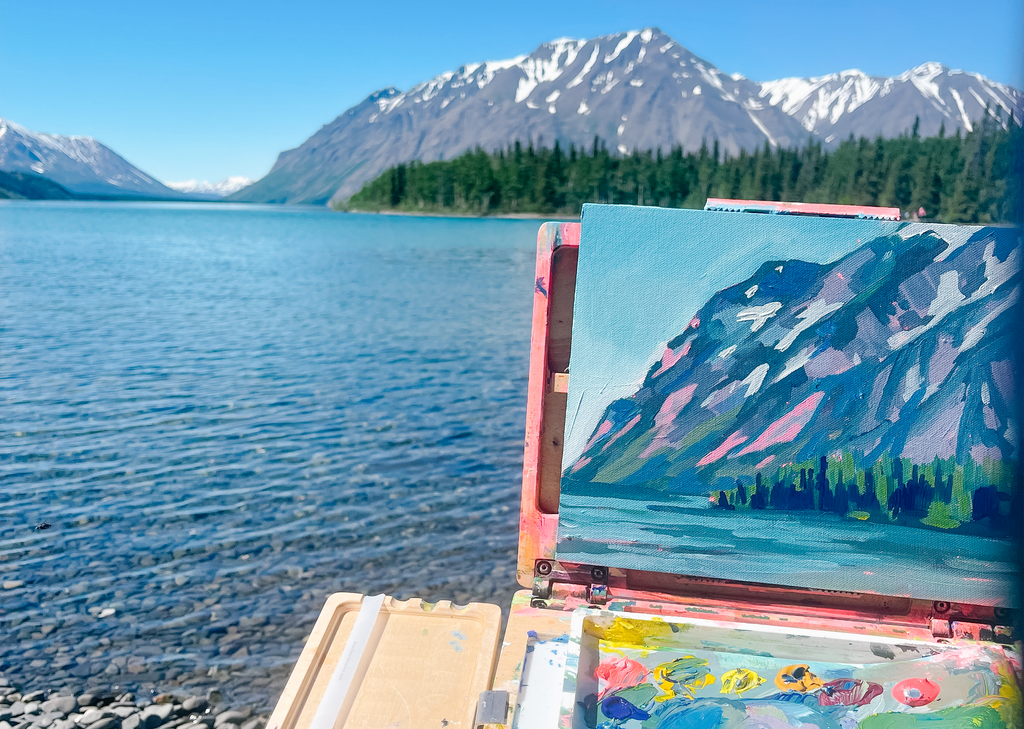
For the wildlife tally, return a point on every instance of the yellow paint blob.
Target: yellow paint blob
(739, 680)
(687, 674)
(798, 678)
(627, 633)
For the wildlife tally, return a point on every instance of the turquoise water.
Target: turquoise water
(227, 413)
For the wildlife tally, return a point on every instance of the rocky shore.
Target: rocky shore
(112, 710)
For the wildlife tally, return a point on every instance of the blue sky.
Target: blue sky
(209, 89)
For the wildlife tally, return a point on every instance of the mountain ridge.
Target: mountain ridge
(574, 89)
(903, 348)
(81, 165)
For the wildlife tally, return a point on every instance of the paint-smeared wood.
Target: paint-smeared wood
(428, 666)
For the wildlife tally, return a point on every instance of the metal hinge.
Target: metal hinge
(954, 627)
(548, 572)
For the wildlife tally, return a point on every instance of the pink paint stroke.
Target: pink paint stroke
(672, 406)
(786, 428)
(731, 442)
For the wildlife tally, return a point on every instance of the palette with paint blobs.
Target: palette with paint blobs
(781, 487)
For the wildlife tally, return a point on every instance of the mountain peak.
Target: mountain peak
(638, 89)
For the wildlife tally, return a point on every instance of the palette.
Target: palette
(634, 670)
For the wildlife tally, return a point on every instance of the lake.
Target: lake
(227, 413)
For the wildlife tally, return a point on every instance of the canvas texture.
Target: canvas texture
(813, 402)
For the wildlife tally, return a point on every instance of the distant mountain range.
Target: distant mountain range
(636, 90)
(81, 165)
(34, 165)
(217, 189)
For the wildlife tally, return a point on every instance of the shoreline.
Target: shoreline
(500, 216)
(117, 709)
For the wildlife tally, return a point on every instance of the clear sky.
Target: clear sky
(211, 88)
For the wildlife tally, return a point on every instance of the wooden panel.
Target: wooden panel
(557, 245)
(551, 452)
(428, 666)
(563, 294)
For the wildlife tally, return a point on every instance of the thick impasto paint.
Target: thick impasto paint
(645, 672)
(813, 402)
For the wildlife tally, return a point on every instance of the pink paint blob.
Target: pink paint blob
(619, 673)
(602, 429)
(625, 429)
(786, 428)
(731, 442)
(766, 461)
(673, 404)
(915, 691)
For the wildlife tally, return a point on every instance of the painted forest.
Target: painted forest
(972, 498)
(954, 178)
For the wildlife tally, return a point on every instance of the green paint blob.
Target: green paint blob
(956, 717)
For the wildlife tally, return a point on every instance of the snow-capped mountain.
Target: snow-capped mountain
(82, 165)
(639, 90)
(225, 187)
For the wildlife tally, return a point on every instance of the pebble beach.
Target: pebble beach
(114, 710)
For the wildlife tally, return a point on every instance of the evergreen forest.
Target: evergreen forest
(961, 178)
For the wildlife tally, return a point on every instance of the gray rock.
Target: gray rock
(155, 715)
(194, 703)
(48, 718)
(63, 704)
(17, 708)
(86, 700)
(132, 722)
(34, 696)
(227, 725)
(253, 724)
(31, 707)
(124, 711)
(233, 717)
(92, 716)
(107, 722)
(63, 724)
(214, 696)
(4, 724)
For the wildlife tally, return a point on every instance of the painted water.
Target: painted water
(227, 413)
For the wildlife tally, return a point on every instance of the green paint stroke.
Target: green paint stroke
(956, 717)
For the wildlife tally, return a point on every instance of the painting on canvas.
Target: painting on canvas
(814, 402)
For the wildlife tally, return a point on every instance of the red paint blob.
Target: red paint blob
(915, 691)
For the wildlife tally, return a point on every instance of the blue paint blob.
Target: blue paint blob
(616, 707)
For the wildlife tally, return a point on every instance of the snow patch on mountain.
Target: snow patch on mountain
(225, 187)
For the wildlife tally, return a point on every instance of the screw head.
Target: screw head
(544, 567)
(599, 574)
(538, 603)
(941, 606)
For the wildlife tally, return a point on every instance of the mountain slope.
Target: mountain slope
(639, 89)
(82, 165)
(904, 348)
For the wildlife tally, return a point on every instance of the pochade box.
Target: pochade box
(781, 488)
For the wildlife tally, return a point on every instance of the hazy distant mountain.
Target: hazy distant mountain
(81, 165)
(218, 189)
(639, 90)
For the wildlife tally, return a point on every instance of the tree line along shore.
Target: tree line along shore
(954, 178)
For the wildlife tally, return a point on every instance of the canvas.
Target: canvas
(813, 402)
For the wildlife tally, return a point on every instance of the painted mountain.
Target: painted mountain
(639, 89)
(80, 165)
(903, 349)
(850, 425)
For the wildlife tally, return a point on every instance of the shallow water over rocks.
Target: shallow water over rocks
(227, 413)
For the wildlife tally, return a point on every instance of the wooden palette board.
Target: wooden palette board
(428, 665)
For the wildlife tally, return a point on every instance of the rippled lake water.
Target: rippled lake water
(228, 413)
